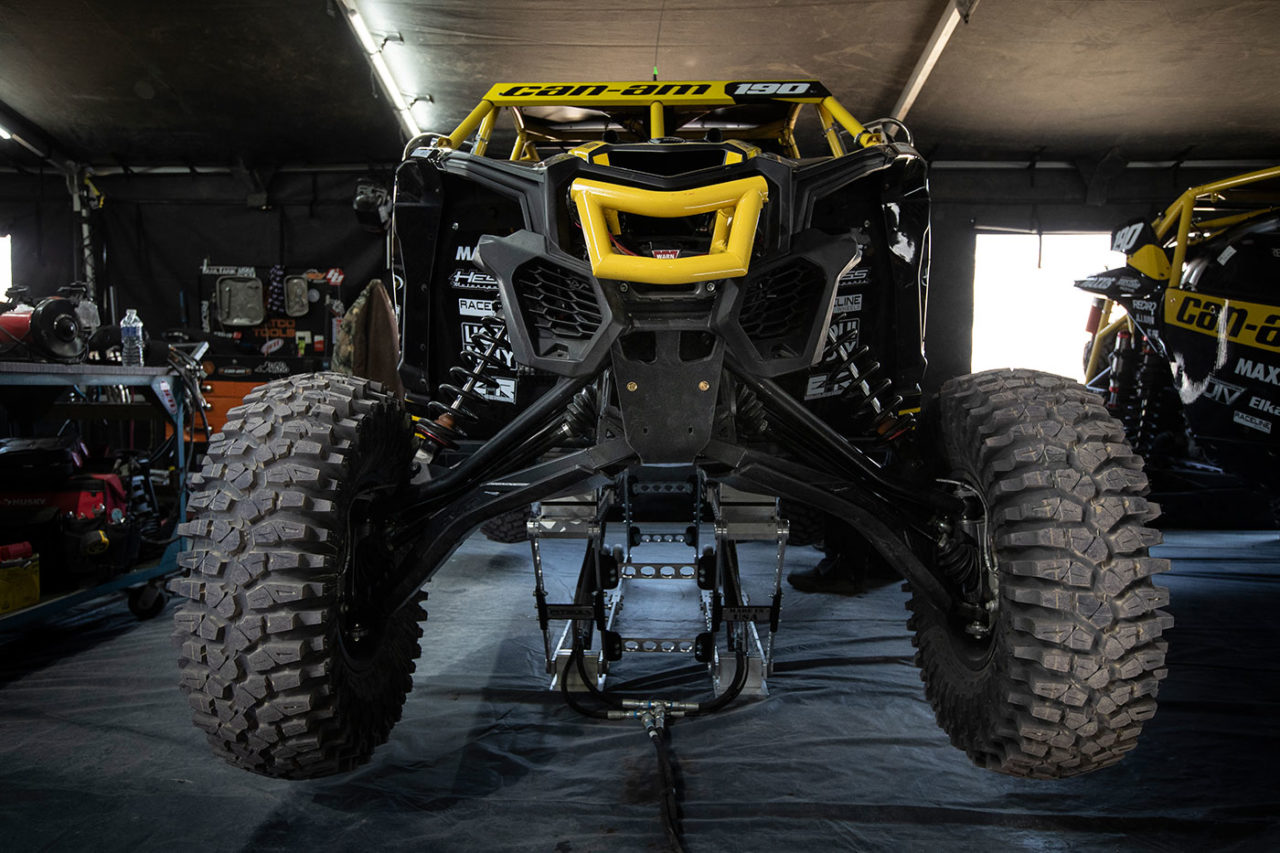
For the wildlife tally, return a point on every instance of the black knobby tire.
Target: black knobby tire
(511, 526)
(1069, 672)
(270, 660)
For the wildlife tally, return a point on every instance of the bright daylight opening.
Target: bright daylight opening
(1026, 311)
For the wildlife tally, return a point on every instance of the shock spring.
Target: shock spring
(469, 379)
(866, 389)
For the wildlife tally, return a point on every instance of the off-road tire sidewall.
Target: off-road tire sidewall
(509, 527)
(262, 655)
(1070, 672)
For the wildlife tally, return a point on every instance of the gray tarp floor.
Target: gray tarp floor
(96, 750)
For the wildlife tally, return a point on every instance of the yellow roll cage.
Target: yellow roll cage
(1199, 214)
(736, 204)
(656, 97)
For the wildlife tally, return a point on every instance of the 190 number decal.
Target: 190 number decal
(771, 88)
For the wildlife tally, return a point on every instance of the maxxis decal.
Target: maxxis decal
(1248, 323)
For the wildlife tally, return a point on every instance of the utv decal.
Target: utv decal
(1258, 370)
(273, 368)
(474, 279)
(848, 304)
(1222, 392)
(475, 307)
(1260, 424)
(271, 345)
(1227, 254)
(1262, 404)
(466, 253)
(857, 275)
(666, 254)
(1247, 323)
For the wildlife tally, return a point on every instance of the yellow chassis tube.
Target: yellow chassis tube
(655, 95)
(737, 206)
(1182, 210)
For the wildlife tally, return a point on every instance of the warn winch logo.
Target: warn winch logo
(1259, 371)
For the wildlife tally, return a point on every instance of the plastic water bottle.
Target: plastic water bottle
(131, 339)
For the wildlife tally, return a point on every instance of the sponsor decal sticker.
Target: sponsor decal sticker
(504, 391)
(1222, 392)
(818, 387)
(1260, 424)
(666, 254)
(848, 304)
(274, 368)
(213, 269)
(470, 330)
(271, 345)
(1259, 371)
(1247, 323)
(857, 275)
(473, 279)
(596, 90)
(1145, 309)
(1262, 404)
(840, 328)
(475, 307)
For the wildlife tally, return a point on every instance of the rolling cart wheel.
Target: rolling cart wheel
(146, 601)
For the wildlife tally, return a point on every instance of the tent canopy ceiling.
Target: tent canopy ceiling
(262, 83)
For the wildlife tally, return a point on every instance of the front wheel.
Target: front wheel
(1062, 678)
(286, 659)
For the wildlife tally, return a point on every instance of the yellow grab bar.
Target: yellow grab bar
(737, 206)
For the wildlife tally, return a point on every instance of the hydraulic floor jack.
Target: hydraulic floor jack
(608, 574)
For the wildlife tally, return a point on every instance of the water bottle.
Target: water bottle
(131, 339)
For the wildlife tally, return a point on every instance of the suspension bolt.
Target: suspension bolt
(623, 286)
(631, 386)
(704, 385)
(711, 287)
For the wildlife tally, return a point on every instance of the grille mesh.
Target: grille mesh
(557, 302)
(779, 304)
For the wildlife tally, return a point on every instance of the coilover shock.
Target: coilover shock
(848, 362)
(751, 417)
(1161, 430)
(479, 355)
(1123, 396)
